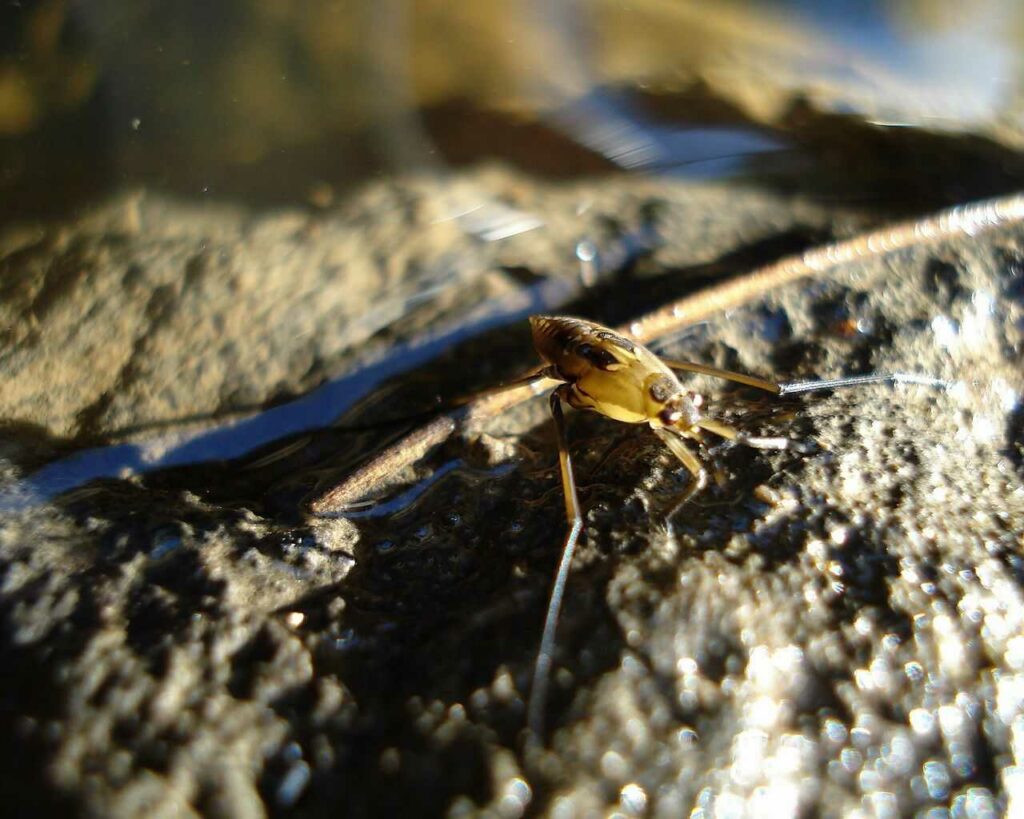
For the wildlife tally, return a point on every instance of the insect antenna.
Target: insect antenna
(859, 380)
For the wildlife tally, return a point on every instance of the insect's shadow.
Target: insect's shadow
(451, 590)
(449, 593)
(1015, 438)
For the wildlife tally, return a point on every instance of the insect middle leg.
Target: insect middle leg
(796, 387)
(674, 440)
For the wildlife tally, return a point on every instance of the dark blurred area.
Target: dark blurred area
(286, 103)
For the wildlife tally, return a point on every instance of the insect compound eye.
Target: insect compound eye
(663, 390)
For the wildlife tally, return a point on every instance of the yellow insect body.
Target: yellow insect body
(612, 375)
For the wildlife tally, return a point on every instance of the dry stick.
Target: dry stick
(962, 219)
(417, 443)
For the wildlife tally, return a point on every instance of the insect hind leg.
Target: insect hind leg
(545, 655)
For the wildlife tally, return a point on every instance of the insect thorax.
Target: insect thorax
(611, 374)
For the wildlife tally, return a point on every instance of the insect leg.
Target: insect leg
(545, 654)
(369, 478)
(674, 441)
(858, 380)
(728, 375)
(526, 379)
(740, 437)
(807, 386)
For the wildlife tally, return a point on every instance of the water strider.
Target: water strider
(605, 372)
(595, 368)
(610, 371)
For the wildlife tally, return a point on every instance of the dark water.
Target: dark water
(895, 103)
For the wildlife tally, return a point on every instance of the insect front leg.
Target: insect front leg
(545, 654)
(740, 437)
(674, 441)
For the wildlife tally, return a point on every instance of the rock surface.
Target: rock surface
(831, 631)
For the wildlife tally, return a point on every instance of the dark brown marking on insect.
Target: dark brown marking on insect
(662, 389)
(617, 340)
(554, 336)
(597, 356)
(562, 328)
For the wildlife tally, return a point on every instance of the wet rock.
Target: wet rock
(834, 629)
(149, 312)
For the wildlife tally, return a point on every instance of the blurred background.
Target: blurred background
(294, 103)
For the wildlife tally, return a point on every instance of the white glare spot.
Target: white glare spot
(633, 798)
(1009, 398)
(764, 712)
(517, 796)
(922, 721)
(951, 721)
(884, 804)
(613, 766)
(983, 303)
(748, 754)
(976, 803)
(839, 535)
(1013, 784)
(936, 779)
(945, 330)
(835, 731)
(687, 665)
(983, 428)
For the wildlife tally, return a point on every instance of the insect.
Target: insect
(594, 368)
(603, 371)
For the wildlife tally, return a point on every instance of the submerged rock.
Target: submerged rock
(831, 630)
